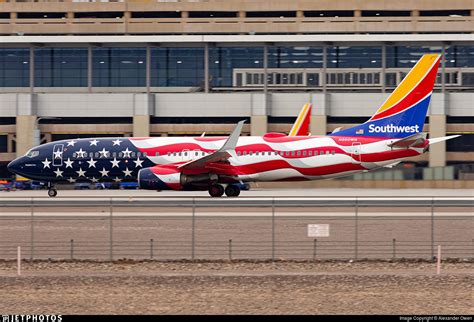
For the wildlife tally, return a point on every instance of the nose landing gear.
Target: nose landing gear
(52, 192)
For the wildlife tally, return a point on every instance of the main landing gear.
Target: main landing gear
(217, 190)
(52, 192)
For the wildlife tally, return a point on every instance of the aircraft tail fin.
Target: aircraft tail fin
(301, 125)
(403, 113)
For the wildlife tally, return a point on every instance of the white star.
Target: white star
(71, 180)
(104, 172)
(58, 172)
(93, 142)
(80, 153)
(71, 143)
(138, 163)
(103, 153)
(93, 179)
(81, 173)
(126, 153)
(117, 179)
(115, 163)
(91, 163)
(58, 154)
(46, 163)
(68, 163)
(127, 172)
(116, 142)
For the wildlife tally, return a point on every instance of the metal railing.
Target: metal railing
(243, 228)
(235, 250)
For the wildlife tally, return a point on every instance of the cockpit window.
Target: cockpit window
(32, 154)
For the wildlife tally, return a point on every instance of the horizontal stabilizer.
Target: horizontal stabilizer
(441, 139)
(409, 141)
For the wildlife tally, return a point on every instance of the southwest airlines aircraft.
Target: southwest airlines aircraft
(221, 164)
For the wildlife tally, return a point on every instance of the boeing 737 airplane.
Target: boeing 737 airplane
(220, 164)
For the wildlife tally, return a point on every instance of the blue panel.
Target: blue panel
(223, 61)
(14, 67)
(60, 67)
(407, 56)
(295, 57)
(119, 67)
(354, 57)
(181, 67)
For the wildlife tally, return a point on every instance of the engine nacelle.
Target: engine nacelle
(169, 178)
(159, 178)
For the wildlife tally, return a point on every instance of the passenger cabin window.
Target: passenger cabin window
(157, 154)
(333, 152)
(310, 153)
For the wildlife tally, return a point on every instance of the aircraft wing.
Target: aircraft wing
(224, 153)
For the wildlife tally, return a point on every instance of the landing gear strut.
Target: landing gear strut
(216, 190)
(52, 192)
(232, 191)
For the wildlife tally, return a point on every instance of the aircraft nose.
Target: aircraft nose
(14, 166)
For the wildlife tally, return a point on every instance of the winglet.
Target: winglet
(231, 142)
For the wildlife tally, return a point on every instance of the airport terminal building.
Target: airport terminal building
(154, 68)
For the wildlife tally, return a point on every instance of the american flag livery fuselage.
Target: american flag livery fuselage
(220, 164)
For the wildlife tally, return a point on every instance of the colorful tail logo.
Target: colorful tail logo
(301, 126)
(404, 111)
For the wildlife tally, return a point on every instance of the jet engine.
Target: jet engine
(170, 178)
(159, 178)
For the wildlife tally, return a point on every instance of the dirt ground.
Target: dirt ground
(237, 288)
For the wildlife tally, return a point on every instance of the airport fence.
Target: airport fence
(236, 229)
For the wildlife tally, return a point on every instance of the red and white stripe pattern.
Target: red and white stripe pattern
(271, 158)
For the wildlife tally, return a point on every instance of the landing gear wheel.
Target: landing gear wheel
(216, 190)
(52, 192)
(232, 191)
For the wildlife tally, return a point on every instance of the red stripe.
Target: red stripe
(282, 164)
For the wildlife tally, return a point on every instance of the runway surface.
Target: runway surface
(256, 192)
